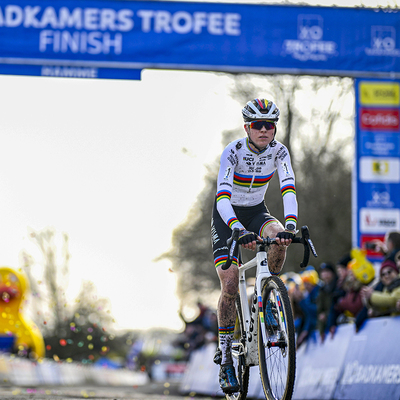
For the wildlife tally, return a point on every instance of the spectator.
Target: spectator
(385, 301)
(295, 289)
(347, 307)
(338, 292)
(307, 301)
(328, 284)
(390, 246)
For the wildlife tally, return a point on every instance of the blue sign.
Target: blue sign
(376, 183)
(119, 35)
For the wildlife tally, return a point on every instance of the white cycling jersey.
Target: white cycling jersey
(244, 177)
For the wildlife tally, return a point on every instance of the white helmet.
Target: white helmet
(260, 109)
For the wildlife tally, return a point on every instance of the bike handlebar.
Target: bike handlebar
(305, 240)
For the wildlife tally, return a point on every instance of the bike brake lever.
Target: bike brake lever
(308, 244)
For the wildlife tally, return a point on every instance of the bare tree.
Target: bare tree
(312, 109)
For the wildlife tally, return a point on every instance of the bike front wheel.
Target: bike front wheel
(277, 351)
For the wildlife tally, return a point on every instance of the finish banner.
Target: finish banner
(377, 169)
(75, 38)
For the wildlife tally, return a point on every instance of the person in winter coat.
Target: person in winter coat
(385, 301)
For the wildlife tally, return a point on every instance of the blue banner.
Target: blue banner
(376, 187)
(201, 36)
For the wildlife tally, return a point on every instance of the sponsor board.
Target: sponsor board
(374, 169)
(379, 144)
(379, 220)
(383, 42)
(309, 44)
(381, 195)
(380, 119)
(379, 93)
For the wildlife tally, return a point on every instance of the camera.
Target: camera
(370, 245)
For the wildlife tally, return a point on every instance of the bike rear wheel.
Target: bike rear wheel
(242, 371)
(277, 357)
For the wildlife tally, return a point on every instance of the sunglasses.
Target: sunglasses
(387, 273)
(259, 124)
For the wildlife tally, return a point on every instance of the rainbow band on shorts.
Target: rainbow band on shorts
(221, 260)
(265, 224)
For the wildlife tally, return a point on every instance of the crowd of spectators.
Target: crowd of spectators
(346, 292)
(349, 291)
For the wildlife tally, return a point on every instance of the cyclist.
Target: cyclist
(246, 167)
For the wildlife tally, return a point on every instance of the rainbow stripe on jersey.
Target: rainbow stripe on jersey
(291, 219)
(288, 189)
(224, 194)
(247, 180)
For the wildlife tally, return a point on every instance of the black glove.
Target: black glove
(246, 237)
(285, 235)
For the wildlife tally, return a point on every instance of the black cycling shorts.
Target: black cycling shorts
(254, 219)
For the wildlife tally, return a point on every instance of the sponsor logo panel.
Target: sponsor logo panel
(379, 94)
(380, 144)
(379, 169)
(375, 220)
(379, 119)
(383, 41)
(309, 45)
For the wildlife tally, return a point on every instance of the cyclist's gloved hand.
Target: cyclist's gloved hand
(246, 237)
(285, 235)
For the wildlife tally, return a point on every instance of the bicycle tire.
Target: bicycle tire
(242, 370)
(277, 357)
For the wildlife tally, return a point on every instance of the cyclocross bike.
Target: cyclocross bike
(267, 335)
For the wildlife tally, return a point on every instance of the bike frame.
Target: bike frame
(250, 316)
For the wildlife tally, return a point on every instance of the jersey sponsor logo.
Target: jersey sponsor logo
(285, 168)
(233, 158)
(282, 153)
(227, 173)
(225, 184)
(380, 119)
(214, 234)
(224, 248)
(382, 93)
(288, 179)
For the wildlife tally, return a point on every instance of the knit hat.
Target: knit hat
(389, 263)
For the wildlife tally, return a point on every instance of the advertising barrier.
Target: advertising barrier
(349, 366)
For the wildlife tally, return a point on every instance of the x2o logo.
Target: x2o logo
(383, 42)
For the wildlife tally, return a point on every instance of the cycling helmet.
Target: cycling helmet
(260, 109)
